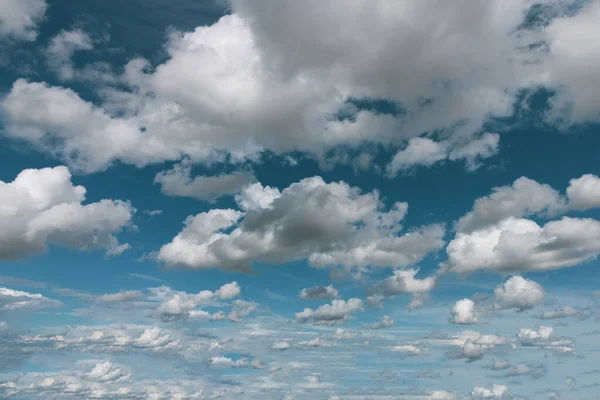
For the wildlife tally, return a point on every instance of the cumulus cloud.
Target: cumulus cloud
(517, 244)
(329, 223)
(19, 19)
(410, 350)
(421, 151)
(442, 395)
(385, 322)
(178, 181)
(403, 282)
(16, 300)
(319, 292)
(108, 372)
(562, 312)
(254, 93)
(520, 293)
(464, 313)
(584, 192)
(41, 207)
(61, 49)
(329, 314)
(496, 392)
(526, 197)
(175, 305)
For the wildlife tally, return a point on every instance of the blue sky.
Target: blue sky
(289, 200)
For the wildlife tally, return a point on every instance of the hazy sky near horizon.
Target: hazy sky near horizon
(278, 199)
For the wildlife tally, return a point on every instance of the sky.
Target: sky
(285, 200)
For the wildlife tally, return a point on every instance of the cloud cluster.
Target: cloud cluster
(331, 224)
(41, 207)
(253, 93)
(329, 314)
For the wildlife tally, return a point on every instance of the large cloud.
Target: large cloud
(329, 223)
(42, 207)
(517, 244)
(261, 79)
(19, 18)
(526, 197)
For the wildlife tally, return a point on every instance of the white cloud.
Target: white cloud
(20, 18)
(179, 182)
(61, 49)
(385, 322)
(108, 372)
(404, 281)
(175, 305)
(520, 293)
(335, 313)
(41, 207)
(410, 350)
(522, 245)
(427, 152)
(319, 292)
(281, 346)
(254, 93)
(127, 295)
(228, 291)
(496, 392)
(464, 313)
(16, 300)
(309, 219)
(442, 395)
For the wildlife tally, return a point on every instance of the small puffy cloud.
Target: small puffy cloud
(403, 282)
(500, 364)
(41, 207)
(319, 292)
(375, 301)
(421, 151)
(228, 291)
(226, 362)
(496, 392)
(127, 295)
(16, 300)
(179, 182)
(108, 372)
(241, 309)
(442, 395)
(19, 19)
(281, 346)
(464, 313)
(543, 337)
(329, 314)
(473, 345)
(520, 293)
(517, 244)
(410, 350)
(385, 322)
(330, 224)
